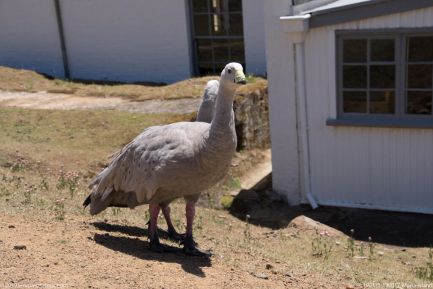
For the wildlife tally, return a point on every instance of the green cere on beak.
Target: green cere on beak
(240, 77)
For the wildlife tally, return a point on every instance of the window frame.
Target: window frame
(230, 39)
(400, 87)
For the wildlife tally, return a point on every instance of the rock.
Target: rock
(269, 266)
(380, 253)
(288, 274)
(303, 222)
(260, 275)
(11, 227)
(20, 247)
(251, 118)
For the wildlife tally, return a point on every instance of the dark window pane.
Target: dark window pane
(419, 76)
(205, 68)
(221, 50)
(237, 51)
(382, 50)
(354, 76)
(218, 24)
(236, 25)
(235, 5)
(204, 50)
(382, 76)
(419, 102)
(354, 50)
(219, 67)
(199, 5)
(201, 24)
(217, 6)
(355, 101)
(420, 48)
(382, 102)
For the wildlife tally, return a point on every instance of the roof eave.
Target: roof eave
(363, 10)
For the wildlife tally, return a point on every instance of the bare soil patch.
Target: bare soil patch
(44, 100)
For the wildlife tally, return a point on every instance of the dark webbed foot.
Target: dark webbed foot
(190, 248)
(175, 236)
(172, 235)
(156, 246)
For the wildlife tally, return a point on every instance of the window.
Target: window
(217, 34)
(385, 75)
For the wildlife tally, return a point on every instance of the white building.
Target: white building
(131, 40)
(351, 85)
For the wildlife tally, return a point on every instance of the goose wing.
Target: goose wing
(139, 169)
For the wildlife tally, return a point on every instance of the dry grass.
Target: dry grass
(30, 81)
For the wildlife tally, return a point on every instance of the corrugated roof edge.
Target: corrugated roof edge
(363, 10)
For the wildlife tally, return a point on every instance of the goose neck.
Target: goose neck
(223, 117)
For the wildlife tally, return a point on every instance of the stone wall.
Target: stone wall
(252, 116)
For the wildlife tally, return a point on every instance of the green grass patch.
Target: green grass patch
(227, 201)
(48, 157)
(71, 138)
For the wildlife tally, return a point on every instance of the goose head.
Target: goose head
(233, 75)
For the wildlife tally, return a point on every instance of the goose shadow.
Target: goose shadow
(132, 245)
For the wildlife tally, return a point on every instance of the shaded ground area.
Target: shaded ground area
(385, 227)
(392, 228)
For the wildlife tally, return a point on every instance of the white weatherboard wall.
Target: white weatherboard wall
(29, 36)
(382, 168)
(129, 40)
(279, 56)
(254, 36)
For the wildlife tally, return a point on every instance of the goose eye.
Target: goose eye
(229, 71)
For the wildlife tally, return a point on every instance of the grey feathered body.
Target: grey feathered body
(164, 163)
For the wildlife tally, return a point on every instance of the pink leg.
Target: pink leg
(190, 214)
(166, 211)
(190, 246)
(154, 212)
(172, 233)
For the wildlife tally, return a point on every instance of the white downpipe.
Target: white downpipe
(303, 119)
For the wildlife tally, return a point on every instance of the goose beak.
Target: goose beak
(240, 77)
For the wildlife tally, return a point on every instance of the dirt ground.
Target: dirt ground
(111, 251)
(78, 254)
(44, 100)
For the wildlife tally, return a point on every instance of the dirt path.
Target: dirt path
(78, 254)
(44, 100)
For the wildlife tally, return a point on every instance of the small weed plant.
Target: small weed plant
(426, 272)
(320, 246)
(351, 244)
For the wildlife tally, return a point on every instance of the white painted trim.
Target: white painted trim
(376, 207)
(301, 96)
(312, 201)
(298, 23)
